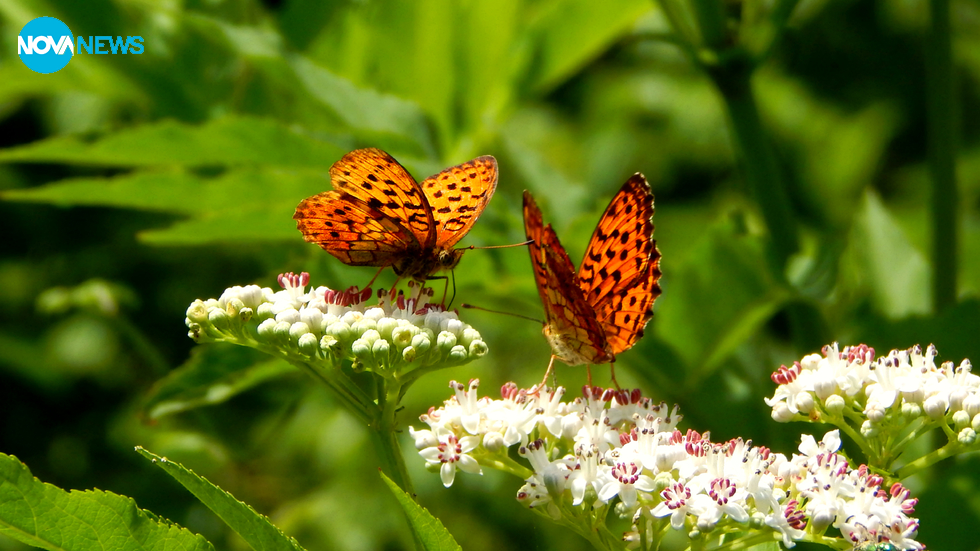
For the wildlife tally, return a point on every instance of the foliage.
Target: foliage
(785, 147)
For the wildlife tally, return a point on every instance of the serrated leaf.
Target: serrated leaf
(256, 529)
(226, 141)
(213, 374)
(429, 529)
(48, 517)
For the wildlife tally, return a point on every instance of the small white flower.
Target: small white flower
(451, 453)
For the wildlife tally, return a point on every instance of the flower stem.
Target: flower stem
(766, 185)
(942, 121)
(929, 459)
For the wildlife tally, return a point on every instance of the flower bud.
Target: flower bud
(935, 406)
(298, 329)
(478, 348)
(281, 330)
(266, 330)
(804, 402)
(874, 412)
(385, 326)
(868, 430)
(308, 344)
(446, 341)
(245, 314)
(457, 354)
(379, 349)
(409, 354)
(911, 410)
(781, 413)
(289, 315)
(961, 420)
(956, 398)
(197, 312)
(402, 336)
(835, 404)
(219, 319)
(975, 423)
(971, 404)
(493, 441)
(422, 342)
(824, 387)
(340, 331)
(265, 311)
(967, 436)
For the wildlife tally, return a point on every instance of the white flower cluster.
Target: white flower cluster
(393, 335)
(619, 450)
(887, 392)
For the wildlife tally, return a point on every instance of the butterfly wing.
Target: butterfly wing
(570, 319)
(380, 182)
(351, 230)
(620, 273)
(457, 197)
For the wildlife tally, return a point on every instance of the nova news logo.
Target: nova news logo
(46, 45)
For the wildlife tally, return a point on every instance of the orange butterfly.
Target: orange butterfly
(378, 215)
(599, 312)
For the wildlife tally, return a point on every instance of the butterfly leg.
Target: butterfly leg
(445, 291)
(537, 388)
(612, 373)
(376, 274)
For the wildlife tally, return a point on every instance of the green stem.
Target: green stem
(766, 185)
(386, 439)
(942, 140)
(926, 461)
(353, 399)
(711, 22)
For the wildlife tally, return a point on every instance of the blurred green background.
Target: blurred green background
(133, 184)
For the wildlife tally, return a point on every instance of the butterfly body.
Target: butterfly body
(601, 310)
(378, 215)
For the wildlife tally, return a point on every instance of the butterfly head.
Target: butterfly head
(447, 259)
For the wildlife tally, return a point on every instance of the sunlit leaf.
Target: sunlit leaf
(45, 516)
(255, 529)
(429, 529)
(225, 141)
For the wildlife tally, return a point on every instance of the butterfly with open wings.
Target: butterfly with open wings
(378, 215)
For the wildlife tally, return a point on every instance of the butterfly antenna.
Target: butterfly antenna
(521, 244)
(474, 307)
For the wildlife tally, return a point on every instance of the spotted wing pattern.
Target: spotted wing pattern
(378, 215)
(571, 324)
(621, 270)
(602, 310)
(351, 230)
(380, 181)
(458, 196)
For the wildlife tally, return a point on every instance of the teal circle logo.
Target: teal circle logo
(45, 45)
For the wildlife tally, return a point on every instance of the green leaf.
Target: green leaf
(719, 296)
(575, 32)
(363, 108)
(248, 204)
(882, 260)
(429, 529)
(48, 517)
(225, 141)
(213, 374)
(255, 529)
